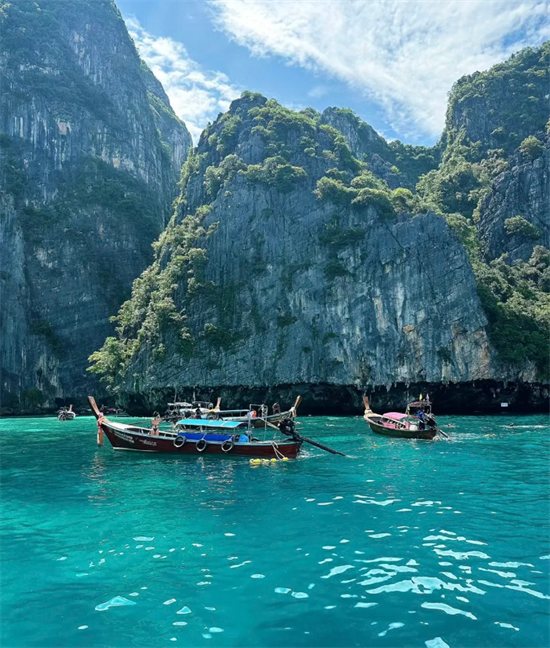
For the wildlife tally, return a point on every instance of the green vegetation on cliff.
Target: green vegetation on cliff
(275, 172)
(517, 302)
(151, 316)
(515, 295)
(504, 105)
(397, 163)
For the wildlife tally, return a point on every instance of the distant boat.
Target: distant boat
(65, 414)
(258, 414)
(203, 436)
(176, 410)
(403, 426)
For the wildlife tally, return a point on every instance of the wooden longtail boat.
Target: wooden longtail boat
(195, 436)
(176, 411)
(65, 414)
(396, 424)
(258, 414)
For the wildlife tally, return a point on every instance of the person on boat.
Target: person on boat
(276, 408)
(421, 421)
(198, 414)
(155, 424)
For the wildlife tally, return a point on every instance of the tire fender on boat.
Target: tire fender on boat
(201, 445)
(228, 445)
(178, 444)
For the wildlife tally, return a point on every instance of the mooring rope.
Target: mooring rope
(278, 453)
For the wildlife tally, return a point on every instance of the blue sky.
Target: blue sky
(391, 61)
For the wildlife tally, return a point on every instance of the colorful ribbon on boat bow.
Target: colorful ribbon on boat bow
(100, 430)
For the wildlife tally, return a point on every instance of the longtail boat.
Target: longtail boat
(257, 414)
(176, 410)
(201, 436)
(404, 426)
(65, 414)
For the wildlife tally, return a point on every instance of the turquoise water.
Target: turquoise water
(403, 543)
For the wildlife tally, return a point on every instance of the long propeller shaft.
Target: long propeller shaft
(299, 437)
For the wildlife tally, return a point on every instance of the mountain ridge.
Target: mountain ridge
(303, 254)
(262, 162)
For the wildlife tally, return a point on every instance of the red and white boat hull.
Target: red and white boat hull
(128, 437)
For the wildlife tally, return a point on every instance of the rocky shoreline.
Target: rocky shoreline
(479, 397)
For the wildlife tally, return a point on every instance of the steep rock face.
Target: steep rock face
(500, 107)
(392, 313)
(91, 152)
(523, 190)
(492, 188)
(400, 165)
(296, 268)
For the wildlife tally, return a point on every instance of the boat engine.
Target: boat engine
(287, 426)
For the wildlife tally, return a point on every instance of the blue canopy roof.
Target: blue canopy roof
(211, 424)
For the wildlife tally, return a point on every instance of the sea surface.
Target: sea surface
(399, 544)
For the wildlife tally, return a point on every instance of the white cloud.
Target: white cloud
(403, 55)
(318, 91)
(196, 95)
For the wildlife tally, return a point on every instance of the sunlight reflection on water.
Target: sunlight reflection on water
(425, 543)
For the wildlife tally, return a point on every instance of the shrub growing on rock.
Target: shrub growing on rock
(531, 147)
(519, 226)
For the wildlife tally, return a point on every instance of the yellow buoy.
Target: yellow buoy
(274, 461)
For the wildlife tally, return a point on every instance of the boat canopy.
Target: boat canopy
(210, 424)
(397, 416)
(424, 405)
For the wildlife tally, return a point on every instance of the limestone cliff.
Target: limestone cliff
(520, 192)
(308, 255)
(400, 165)
(289, 262)
(91, 153)
(500, 107)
